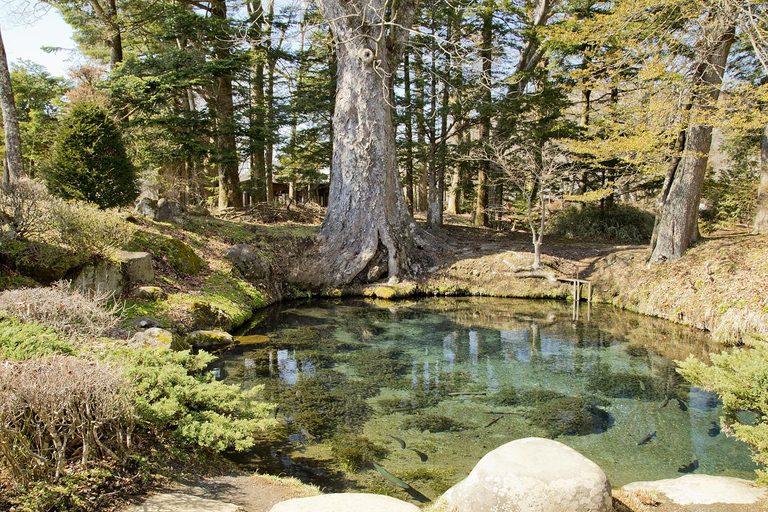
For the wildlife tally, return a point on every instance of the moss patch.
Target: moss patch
(178, 254)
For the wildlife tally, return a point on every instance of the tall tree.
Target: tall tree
(12, 163)
(678, 219)
(486, 57)
(761, 216)
(367, 230)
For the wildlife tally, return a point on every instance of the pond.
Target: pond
(426, 387)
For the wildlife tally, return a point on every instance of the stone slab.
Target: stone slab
(704, 490)
(345, 502)
(178, 502)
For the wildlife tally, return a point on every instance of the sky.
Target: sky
(27, 28)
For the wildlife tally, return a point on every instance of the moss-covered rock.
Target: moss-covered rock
(44, 263)
(151, 293)
(209, 340)
(156, 338)
(206, 315)
(183, 258)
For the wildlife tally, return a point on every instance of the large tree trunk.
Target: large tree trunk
(678, 222)
(761, 216)
(367, 229)
(408, 132)
(12, 166)
(269, 100)
(226, 147)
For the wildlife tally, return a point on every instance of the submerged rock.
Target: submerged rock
(531, 475)
(357, 502)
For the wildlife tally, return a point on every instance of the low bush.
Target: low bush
(739, 378)
(85, 229)
(728, 203)
(60, 411)
(66, 310)
(177, 399)
(19, 341)
(618, 223)
(24, 210)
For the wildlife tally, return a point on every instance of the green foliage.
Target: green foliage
(728, 203)
(29, 340)
(177, 399)
(355, 452)
(89, 162)
(740, 378)
(85, 229)
(617, 223)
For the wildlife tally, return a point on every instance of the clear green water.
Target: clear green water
(435, 373)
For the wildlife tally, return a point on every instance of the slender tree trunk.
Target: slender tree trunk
(269, 98)
(421, 135)
(257, 117)
(486, 56)
(761, 216)
(116, 37)
(408, 131)
(367, 230)
(678, 221)
(226, 147)
(12, 163)
(434, 213)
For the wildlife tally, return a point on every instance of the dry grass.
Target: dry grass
(634, 501)
(719, 286)
(66, 310)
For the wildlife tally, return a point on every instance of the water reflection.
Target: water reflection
(455, 378)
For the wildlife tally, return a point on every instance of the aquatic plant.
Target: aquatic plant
(433, 423)
(355, 452)
(386, 366)
(570, 415)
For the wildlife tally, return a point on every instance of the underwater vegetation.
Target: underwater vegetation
(386, 366)
(626, 385)
(433, 423)
(355, 452)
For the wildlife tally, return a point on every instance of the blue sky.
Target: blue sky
(26, 28)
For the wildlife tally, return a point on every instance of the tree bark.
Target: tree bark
(367, 229)
(408, 132)
(12, 163)
(678, 221)
(257, 124)
(226, 147)
(761, 215)
(269, 100)
(486, 56)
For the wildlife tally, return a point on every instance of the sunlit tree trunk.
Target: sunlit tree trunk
(761, 216)
(367, 230)
(12, 163)
(678, 219)
(486, 56)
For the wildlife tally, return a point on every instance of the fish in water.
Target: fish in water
(683, 406)
(664, 403)
(647, 439)
(494, 420)
(423, 456)
(689, 468)
(399, 441)
(642, 385)
(402, 484)
(715, 430)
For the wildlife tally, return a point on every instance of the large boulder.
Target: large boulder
(209, 340)
(531, 475)
(156, 338)
(352, 502)
(180, 502)
(248, 261)
(104, 278)
(205, 316)
(169, 210)
(136, 266)
(697, 490)
(147, 207)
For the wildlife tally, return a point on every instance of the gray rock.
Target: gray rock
(209, 340)
(146, 206)
(249, 262)
(531, 475)
(206, 316)
(144, 322)
(704, 490)
(169, 210)
(151, 293)
(179, 502)
(156, 338)
(104, 278)
(136, 266)
(348, 502)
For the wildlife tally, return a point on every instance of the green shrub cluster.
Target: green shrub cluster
(740, 378)
(89, 161)
(176, 399)
(728, 203)
(618, 223)
(19, 341)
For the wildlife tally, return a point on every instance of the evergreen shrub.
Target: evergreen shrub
(617, 223)
(89, 161)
